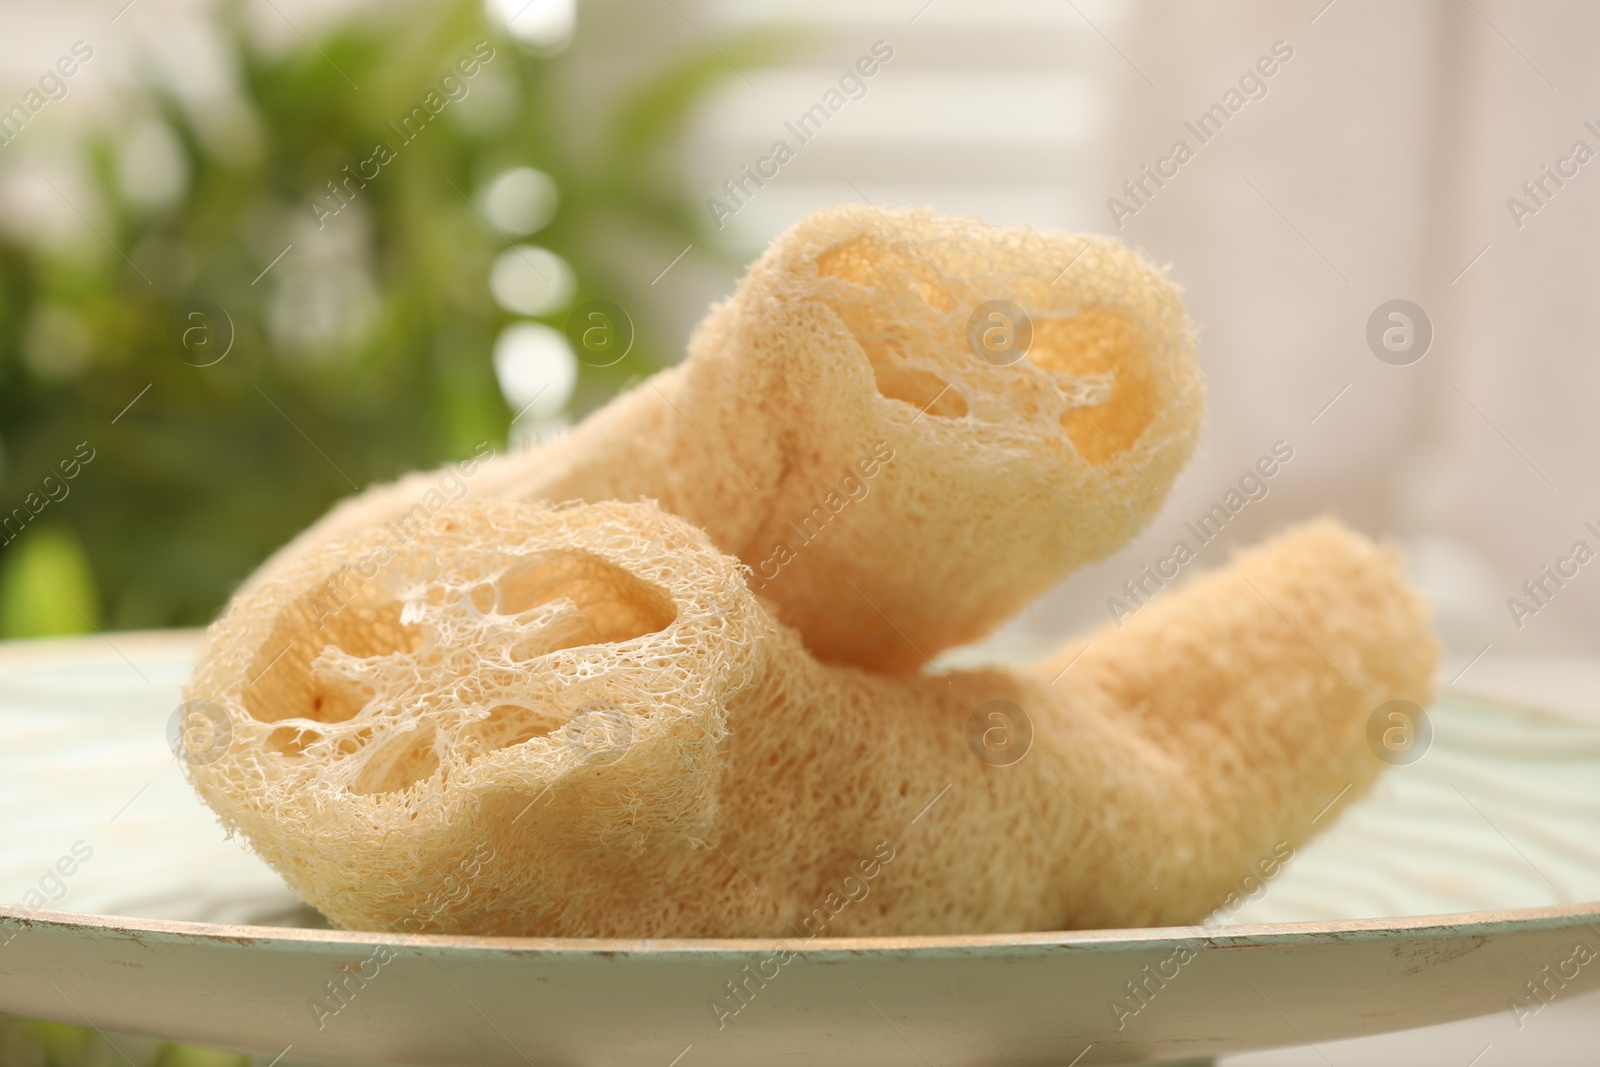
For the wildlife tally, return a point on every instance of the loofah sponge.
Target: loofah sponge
(834, 427)
(580, 721)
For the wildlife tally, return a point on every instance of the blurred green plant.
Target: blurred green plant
(27, 1043)
(365, 351)
(45, 584)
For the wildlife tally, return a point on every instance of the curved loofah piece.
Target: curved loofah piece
(893, 493)
(580, 721)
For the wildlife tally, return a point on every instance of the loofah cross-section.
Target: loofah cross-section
(580, 721)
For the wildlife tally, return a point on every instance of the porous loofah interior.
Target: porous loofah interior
(353, 653)
(1100, 341)
(1090, 367)
(500, 657)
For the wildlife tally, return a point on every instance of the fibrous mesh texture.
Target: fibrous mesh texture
(391, 702)
(895, 486)
(581, 722)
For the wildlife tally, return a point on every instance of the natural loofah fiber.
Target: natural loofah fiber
(834, 427)
(580, 721)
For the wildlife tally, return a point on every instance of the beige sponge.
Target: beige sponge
(858, 424)
(580, 721)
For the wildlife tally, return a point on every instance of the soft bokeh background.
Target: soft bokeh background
(184, 157)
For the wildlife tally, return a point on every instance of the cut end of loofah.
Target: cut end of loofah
(395, 703)
(1012, 373)
(958, 317)
(905, 311)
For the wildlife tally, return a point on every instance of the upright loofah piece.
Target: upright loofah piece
(834, 427)
(580, 721)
